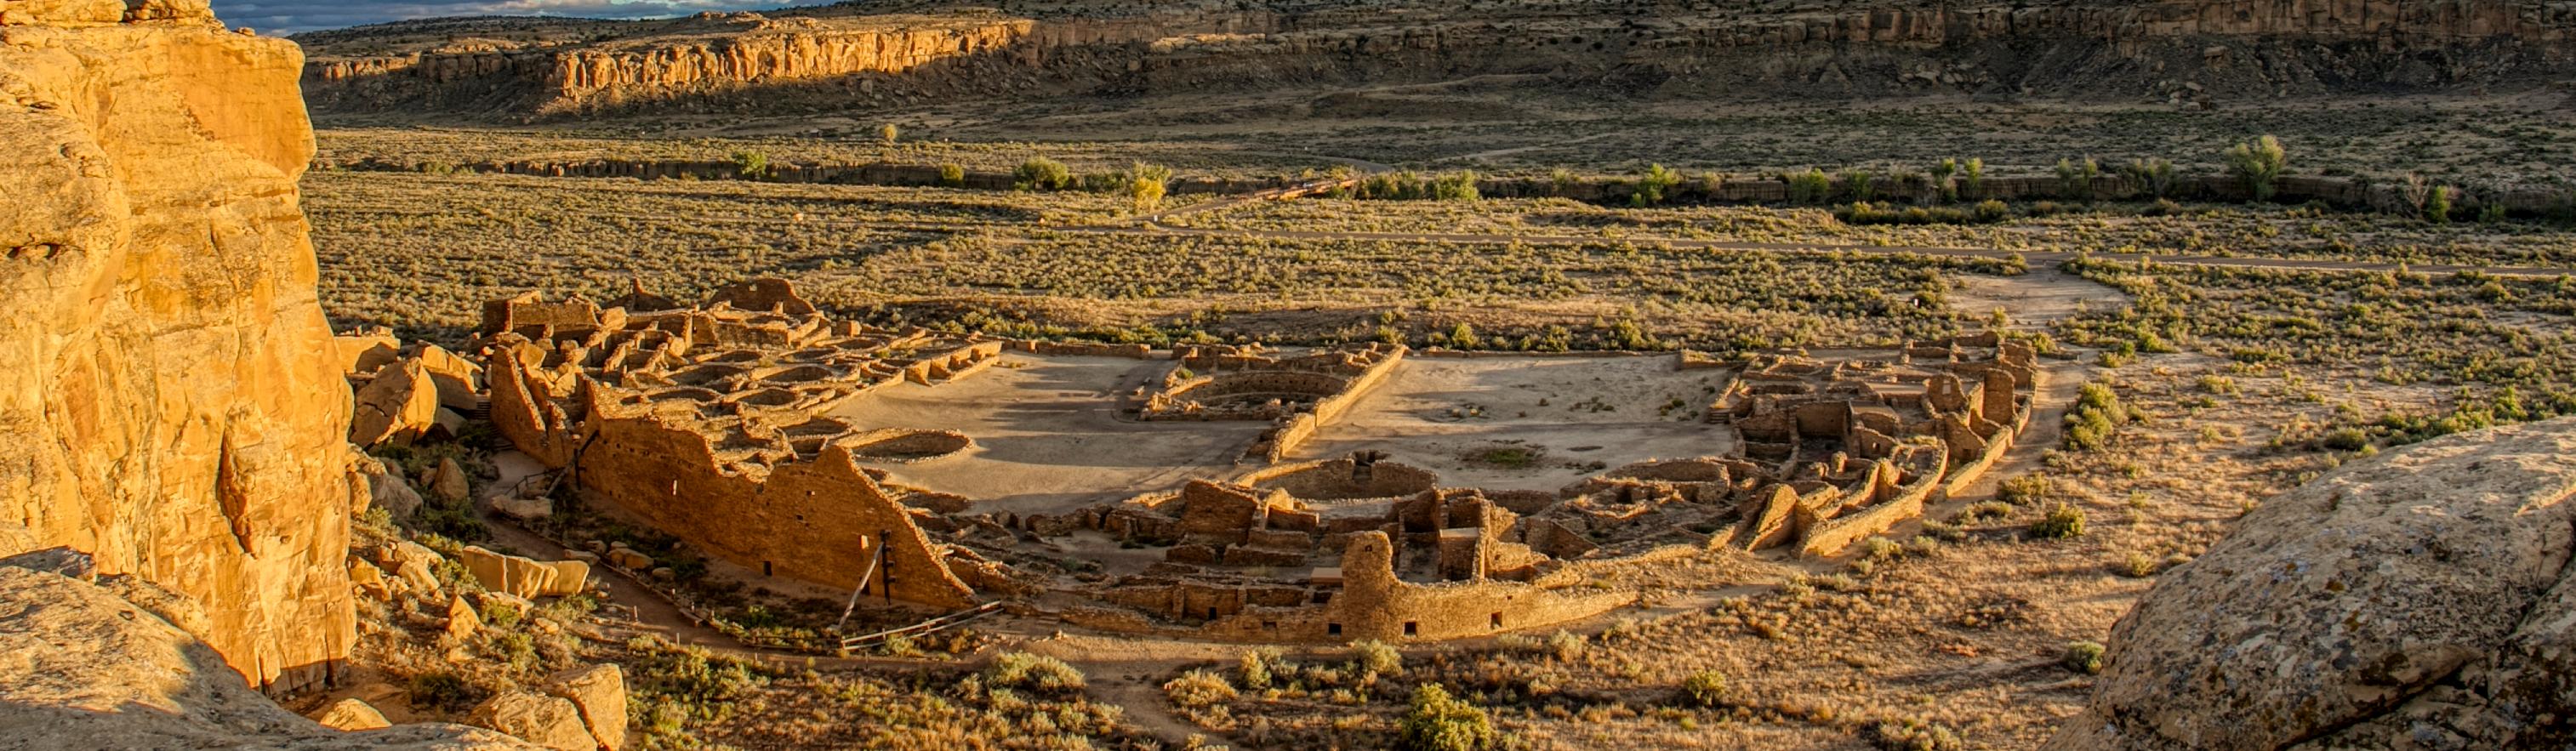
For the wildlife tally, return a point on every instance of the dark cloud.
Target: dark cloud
(291, 16)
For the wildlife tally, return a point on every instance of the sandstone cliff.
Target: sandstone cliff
(837, 58)
(2423, 600)
(169, 401)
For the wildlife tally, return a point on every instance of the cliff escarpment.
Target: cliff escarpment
(168, 398)
(840, 57)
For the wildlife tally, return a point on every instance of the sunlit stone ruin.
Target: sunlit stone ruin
(742, 425)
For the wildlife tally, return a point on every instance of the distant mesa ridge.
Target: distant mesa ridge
(833, 57)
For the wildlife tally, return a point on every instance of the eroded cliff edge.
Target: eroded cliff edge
(168, 401)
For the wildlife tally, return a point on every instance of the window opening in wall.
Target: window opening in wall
(1412, 627)
(1332, 629)
(1498, 620)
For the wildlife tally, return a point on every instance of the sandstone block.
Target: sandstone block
(448, 481)
(364, 354)
(570, 578)
(444, 425)
(518, 576)
(552, 722)
(412, 564)
(522, 507)
(462, 622)
(381, 485)
(599, 691)
(351, 714)
(627, 558)
(395, 407)
(368, 579)
(459, 381)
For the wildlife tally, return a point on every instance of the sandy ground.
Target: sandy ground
(1048, 435)
(1576, 413)
(2035, 298)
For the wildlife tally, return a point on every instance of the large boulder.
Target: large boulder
(351, 714)
(600, 692)
(2423, 600)
(549, 721)
(447, 481)
(82, 668)
(459, 381)
(523, 577)
(378, 483)
(396, 407)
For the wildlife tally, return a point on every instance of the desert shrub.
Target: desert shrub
(1915, 734)
(1256, 665)
(751, 165)
(2083, 657)
(1439, 722)
(1455, 186)
(440, 690)
(1704, 689)
(1810, 187)
(2258, 163)
(2063, 521)
(500, 614)
(2346, 439)
(2096, 415)
(1565, 646)
(1199, 688)
(1859, 184)
(1377, 657)
(1943, 174)
(1972, 178)
(1881, 548)
(1652, 187)
(1041, 173)
(2075, 178)
(952, 175)
(1147, 184)
(2138, 565)
(2437, 204)
(1031, 671)
(889, 133)
(2027, 490)
(2155, 178)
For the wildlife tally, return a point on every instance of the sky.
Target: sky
(291, 16)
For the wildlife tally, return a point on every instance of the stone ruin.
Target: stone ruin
(703, 422)
(1296, 394)
(709, 422)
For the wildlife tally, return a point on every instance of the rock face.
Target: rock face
(170, 400)
(86, 669)
(2420, 601)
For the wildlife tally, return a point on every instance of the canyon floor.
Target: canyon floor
(2252, 346)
